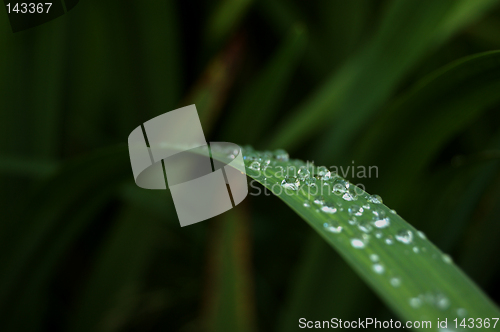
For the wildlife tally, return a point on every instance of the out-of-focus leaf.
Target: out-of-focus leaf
(348, 99)
(160, 52)
(210, 92)
(457, 93)
(37, 168)
(282, 16)
(229, 302)
(64, 193)
(112, 291)
(223, 20)
(481, 239)
(26, 309)
(92, 67)
(48, 88)
(316, 292)
(459, 201)
(258, 103)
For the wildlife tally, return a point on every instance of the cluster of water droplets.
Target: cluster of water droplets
(366, 216)
(435, 299)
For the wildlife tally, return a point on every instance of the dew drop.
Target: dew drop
(281, 155)
(416, 250)
(421, 235)
(323, 173)
(357, 243)
(365, 226)
(267, 155)
(255, 165)
(415, 302)
(382, 223)
(355, 210)
(405, 236)
(310, 182)
(350, 194)
(375, 199)
(340, 187)
(389, 241)
(374, 258)
(291, 183)
(250, 156)
(303, 173)
(378, 213)
(329, 208)
(442, 302)
(332, 228)
(379, 269)
(461, 312)
(319, 200)
(447, 259)
(307, 204)
(395, 282)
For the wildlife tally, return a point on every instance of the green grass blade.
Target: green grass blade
(411, 275)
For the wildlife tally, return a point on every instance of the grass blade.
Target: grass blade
(412, 276)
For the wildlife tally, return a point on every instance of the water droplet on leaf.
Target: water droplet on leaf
(333, 228)
(329, 207)
(382, 223)
(405, 236)
(291, 183)
(319, 200)
(375, 199)
(355, 210)
(323, 173)
(281, 155)
(395, 282)
(415, 302)
(379, 269)
(357, 243)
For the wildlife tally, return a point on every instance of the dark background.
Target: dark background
(83, 249)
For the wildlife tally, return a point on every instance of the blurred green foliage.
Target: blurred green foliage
(375, 82)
